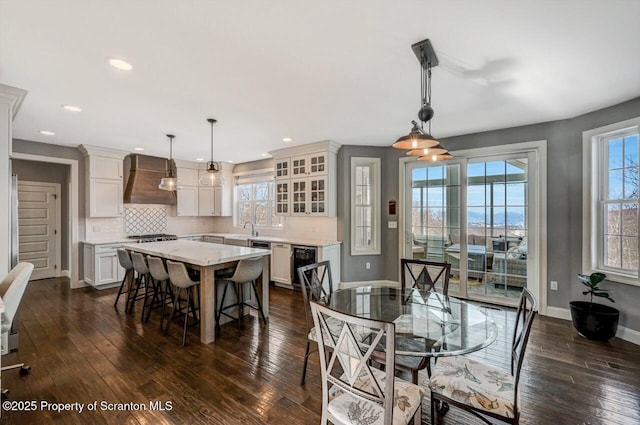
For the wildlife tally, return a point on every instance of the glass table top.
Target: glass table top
(428, 324)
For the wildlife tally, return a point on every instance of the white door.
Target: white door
(38, 227)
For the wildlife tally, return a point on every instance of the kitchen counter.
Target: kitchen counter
(234, 236)
(207, 258)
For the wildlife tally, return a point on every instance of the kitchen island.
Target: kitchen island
(207, 258)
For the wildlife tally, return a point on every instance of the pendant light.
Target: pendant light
(170, 181)
(420, 142)
(213, 176)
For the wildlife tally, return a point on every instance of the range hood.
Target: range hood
(142, 176)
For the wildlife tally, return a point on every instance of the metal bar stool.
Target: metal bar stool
(144, 279)
(129, 276)
(247, 271)
(180, 279)
(161, 278)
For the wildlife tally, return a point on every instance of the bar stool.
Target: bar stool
(179, 278)
(144, 279)
(247, 271)
(161, 281)
(129, 275)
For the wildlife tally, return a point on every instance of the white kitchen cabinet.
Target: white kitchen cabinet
(283, 188)
(281, 263)
(212, 202)
(104, 182)
(282, 168)
(309, 165)
(206, 201)
(187, 176)
(101, 265)
(309, 196)
(105, 198)
(187, 201)
(311, 189)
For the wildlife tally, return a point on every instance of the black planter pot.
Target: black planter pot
(597, 322)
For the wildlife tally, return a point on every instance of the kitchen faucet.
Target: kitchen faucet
(253, 232)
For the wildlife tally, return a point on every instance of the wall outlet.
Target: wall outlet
(367, 265)
(554, 285)
(392, 224)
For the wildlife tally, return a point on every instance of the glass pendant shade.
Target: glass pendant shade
(170, 182)
(416, 139)
(435, 150)
(436, 158)
(213, 176)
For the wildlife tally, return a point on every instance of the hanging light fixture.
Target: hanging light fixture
(420, 142)
(170, 181)
(213, 176)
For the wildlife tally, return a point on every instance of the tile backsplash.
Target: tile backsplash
(145, 220)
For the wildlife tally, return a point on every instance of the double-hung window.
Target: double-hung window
(365, 206)
(612, 242)
(255, 202)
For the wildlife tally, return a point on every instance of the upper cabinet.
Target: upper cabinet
(306, 179)
(104, 182)
(199, 200)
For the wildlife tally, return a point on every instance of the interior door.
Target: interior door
(38, 235)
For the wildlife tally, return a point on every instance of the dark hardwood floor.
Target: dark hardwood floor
(82, 350)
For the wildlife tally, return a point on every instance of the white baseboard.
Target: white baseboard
(626, 334)
(79, 284)
(344, 285)
(65, 273)
(558, 313)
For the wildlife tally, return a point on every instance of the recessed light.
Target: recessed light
(287, 139)
(264, 154)
(230, 162)
(47, 133)
(138, 149)
(72, 108)
(120, 64)
(199, 159)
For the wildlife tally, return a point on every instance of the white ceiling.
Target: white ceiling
(309, 70)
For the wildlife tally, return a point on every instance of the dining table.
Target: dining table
(427, 324)
(207, 258)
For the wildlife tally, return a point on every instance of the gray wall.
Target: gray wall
(564, 203)
(50, 173)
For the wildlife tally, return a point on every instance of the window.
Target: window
(611, 186)
(365, 206)
(256, 203)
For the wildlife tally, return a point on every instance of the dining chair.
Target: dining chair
(248, 270)
(481, 389)
(424, 275)
(180, 279)
(316, 285)
(353, 391)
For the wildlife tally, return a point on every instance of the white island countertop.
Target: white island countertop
(195, 252)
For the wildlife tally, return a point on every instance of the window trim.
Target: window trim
(374, 163)
(252, 181)
(592, 219)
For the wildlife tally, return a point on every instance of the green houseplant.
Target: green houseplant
(597, 322)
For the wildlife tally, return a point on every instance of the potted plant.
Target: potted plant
(597, 322)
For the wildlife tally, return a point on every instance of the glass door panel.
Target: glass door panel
(497, 229)
(434, 214)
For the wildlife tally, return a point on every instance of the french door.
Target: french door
(474, 213)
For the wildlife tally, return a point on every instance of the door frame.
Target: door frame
(537, 200)
(58, 207)
(73, 233)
